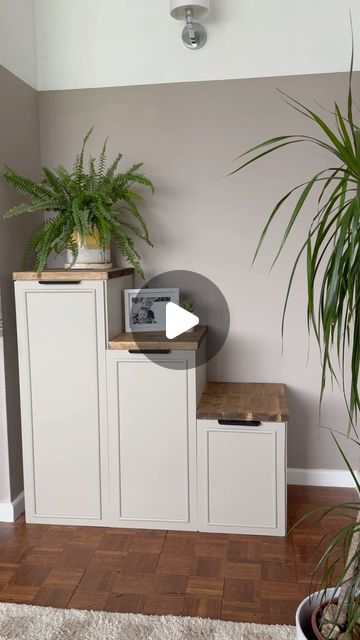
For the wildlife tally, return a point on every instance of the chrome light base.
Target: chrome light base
(193, 34)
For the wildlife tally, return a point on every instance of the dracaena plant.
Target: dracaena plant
(91, 200)
(331, 250)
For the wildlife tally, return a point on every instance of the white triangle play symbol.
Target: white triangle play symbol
(178, 320)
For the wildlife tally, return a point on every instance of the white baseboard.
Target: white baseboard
(10, 511)
(321, 477)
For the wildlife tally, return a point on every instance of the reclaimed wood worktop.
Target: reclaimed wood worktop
(158, 340)
(71, 275)
(244, 401)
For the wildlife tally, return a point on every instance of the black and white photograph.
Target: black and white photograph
(145, 309)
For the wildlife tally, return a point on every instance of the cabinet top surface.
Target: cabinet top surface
(158, 340)
(68, 275)
(244, 401)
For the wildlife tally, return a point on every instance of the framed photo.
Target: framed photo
(145, 309)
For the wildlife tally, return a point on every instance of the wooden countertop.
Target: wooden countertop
(69, 275)
(158, 340)
(243, 401)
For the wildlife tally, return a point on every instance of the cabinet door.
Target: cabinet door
(152, 439)
(241, 478)
(61, 336)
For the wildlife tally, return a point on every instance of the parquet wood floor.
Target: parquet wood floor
(232, 577)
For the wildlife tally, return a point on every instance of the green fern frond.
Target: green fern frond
(134, 210)
(80, 163)
(26, 185)
(29, 248)
(125, 244)
(135, 167)
(92, 172)
(38, 242)
(28, 208)
(102, 160)
(80, 219)
(73, 246)
(55, 183)
(111, 170)
(137, 231)
(141, 179)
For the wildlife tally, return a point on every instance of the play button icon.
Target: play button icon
(212, 313)
(178, 320)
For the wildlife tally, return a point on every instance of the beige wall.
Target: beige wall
(19, 148)
(187, 135)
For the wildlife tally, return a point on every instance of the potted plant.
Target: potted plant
(88, 208)
(188, 305)
(332, 251)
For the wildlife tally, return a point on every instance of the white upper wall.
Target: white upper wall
(87, 43)
(92, 43)
(17, 39)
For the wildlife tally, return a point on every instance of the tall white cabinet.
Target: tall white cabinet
(63, 329)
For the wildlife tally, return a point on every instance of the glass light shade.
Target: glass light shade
(177, 9)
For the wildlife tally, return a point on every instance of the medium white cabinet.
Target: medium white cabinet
(62, 336)
(152, 431)
(242, 477)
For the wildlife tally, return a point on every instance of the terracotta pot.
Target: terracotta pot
(316, 615)
(304, 612)
(315, 619)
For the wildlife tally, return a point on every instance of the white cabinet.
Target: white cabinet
(242, 477)
(110, 434)
(152, 431)
(62, 336)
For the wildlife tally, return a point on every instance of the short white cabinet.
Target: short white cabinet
(152, 433)
(242, 477)
(62, 335)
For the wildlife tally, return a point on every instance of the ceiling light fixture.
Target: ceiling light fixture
(193, 34)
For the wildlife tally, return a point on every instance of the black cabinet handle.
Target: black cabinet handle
(59, 282)
(149, 351)
(240, 423)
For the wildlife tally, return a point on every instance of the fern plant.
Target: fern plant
(95, 200)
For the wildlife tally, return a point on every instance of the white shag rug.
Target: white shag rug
(25, 622)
